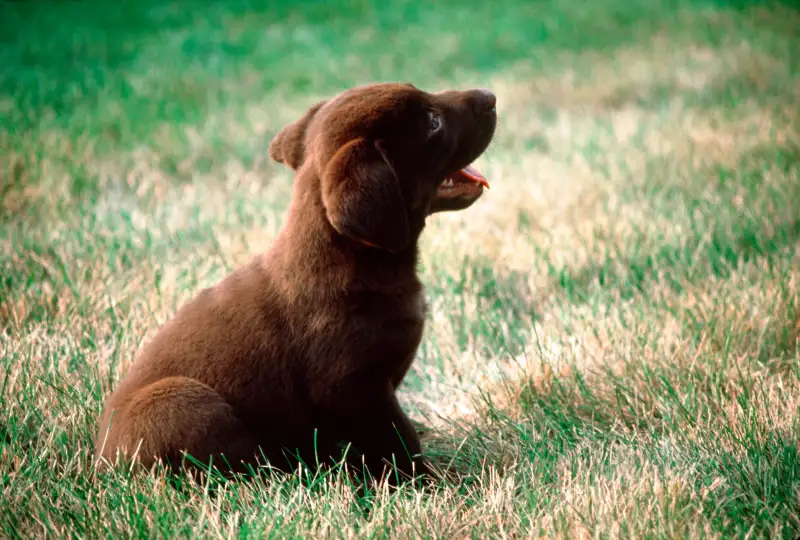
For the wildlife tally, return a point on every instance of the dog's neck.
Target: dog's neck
(308, 244)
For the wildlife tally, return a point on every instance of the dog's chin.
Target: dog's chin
(459, 190)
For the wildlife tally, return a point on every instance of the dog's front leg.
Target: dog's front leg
(371, 419)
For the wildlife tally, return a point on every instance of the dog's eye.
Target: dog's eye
(434, 122)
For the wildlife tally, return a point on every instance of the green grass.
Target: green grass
(612, 347)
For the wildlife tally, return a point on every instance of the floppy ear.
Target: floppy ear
(288, 146)
(362, 197)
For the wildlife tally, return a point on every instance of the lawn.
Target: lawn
(612, 345)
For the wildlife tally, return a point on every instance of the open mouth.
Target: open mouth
(464, 183)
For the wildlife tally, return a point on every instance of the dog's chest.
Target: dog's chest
(363, 330)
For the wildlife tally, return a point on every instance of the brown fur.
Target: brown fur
(301, 351)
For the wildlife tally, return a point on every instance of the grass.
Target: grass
(612, 347)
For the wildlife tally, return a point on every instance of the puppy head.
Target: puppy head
(388, 155)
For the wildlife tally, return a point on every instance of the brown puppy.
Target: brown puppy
(301, 351)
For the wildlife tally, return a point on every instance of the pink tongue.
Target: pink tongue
(472, 174)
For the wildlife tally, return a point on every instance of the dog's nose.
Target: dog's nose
(486, 98)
